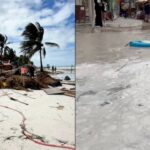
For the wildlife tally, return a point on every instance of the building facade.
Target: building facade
(84, 9)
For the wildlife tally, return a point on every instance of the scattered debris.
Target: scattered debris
(34, 136)
(140, 105)
(68, 82)
(9, 138)
(90, 92)
(42, 80)
(12, 137)
(105, 103)
(70, 92)
(67, 78)
(60, 107)
(61, 141)
(14, 99)
(73, 89)
(118, 89)
(63, 91)
(51, 91)
(24, 95)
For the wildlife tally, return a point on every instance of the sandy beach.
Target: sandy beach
(37, 77)
(34, 120)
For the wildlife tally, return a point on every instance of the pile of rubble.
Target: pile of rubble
(13, 81)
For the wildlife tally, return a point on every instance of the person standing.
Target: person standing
(23, 70)
(71, 68)
(53, 69)
(98, 11)
(147, 11)
(48, 66)
(31, 70)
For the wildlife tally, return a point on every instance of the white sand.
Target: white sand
(43, 119)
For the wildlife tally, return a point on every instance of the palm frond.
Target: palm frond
(29, 55)
(38, 26)
(27, 45)
(40, 31)
(9, 42)
(30, 47)
(30, 32)
(52, 44)
(2, 38)
(32, 52)
(44, 51)
(5, 40)
(6, 48)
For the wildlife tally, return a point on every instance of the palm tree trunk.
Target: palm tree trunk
(41, 69)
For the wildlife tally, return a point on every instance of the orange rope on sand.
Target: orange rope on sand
(29, 135)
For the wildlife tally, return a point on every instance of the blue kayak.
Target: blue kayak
(140, 43)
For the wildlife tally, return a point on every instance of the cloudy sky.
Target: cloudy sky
(57, 18)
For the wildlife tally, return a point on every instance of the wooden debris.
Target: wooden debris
(52, 91)
(14, 99)
(68, 92)
(42, 80)
(68, 82)
(45, 79)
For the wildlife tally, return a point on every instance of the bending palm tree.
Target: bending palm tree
(33, 35)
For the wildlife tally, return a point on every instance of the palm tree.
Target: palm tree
(9, 54)
(3, 46)
(33, 37)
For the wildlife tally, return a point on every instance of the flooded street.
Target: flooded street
(113, 91)
(108, 46)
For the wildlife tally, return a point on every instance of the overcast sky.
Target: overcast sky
(57, 18)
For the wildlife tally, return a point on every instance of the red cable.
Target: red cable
(30, 136)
